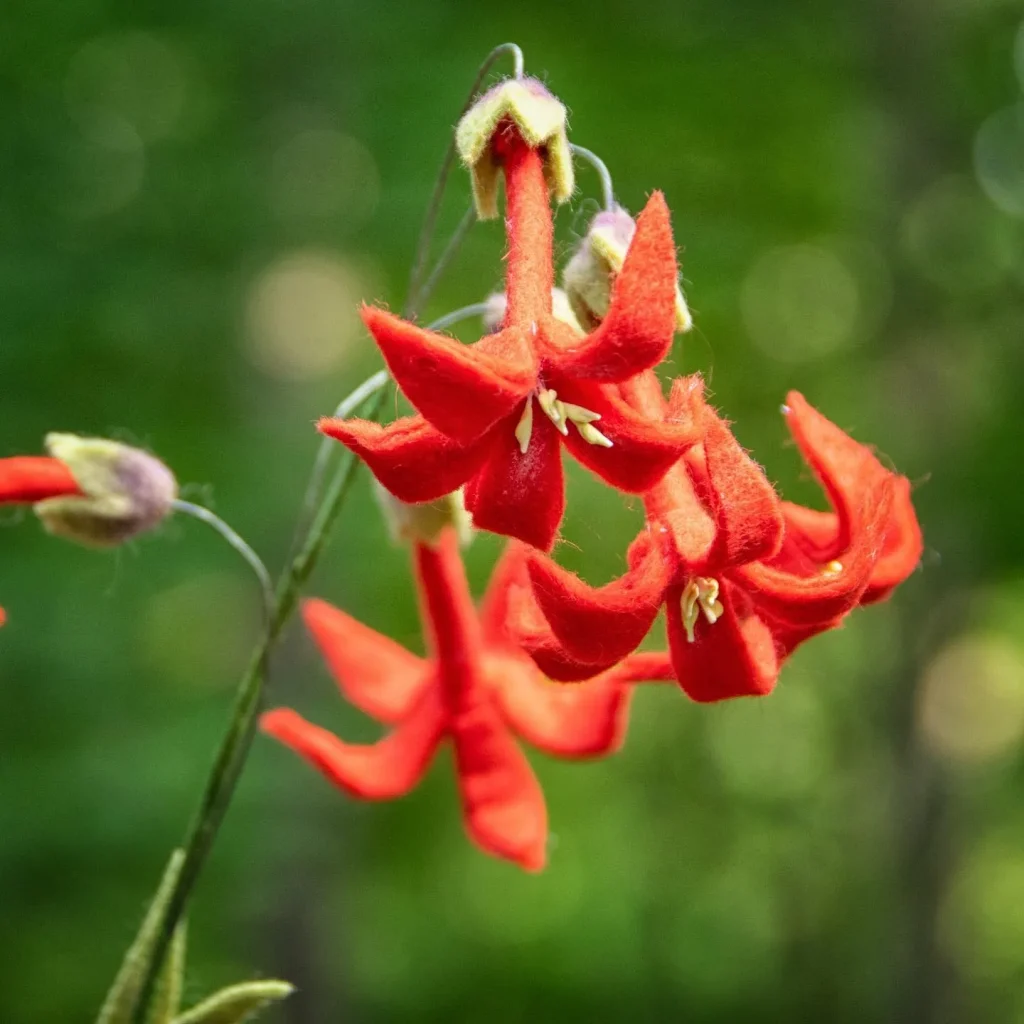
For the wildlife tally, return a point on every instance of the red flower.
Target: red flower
(738, 598)
(493, 414)
(474, 689)
(25, 479)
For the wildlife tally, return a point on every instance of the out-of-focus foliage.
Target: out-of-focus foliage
(194, 197)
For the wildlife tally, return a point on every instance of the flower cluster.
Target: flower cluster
(744, 576)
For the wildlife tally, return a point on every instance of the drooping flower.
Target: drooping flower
(739, 595)
(493, 415)
(475, 689)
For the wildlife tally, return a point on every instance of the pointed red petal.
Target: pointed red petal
(378, 771)
(520, 495)
(502, 800)
(412, 459)
(461, 389)
(374, 673)
(28, 479)
(746, 506)
(901, 551)
(599, 625)
(572, 720)
(508, 580)
(643, 449)
(735, 657)
(646, 667)
(638, 330)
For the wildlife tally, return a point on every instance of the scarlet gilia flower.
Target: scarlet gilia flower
(475, 689)
(739, 594)
(493, 415)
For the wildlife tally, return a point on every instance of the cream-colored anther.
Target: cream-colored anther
(524, 428)
(553, 409)
(592, 435)
(700, 595)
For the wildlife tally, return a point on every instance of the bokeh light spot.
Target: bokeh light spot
(106, 168)
(136, 76)
(302, 316)
(800, 302)
(323, 173)
(999, 159)
(970, 705)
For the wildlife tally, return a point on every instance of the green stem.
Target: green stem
(234, 747)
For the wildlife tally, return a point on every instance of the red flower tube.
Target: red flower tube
(475, 689)
(492, 415)
(741, 585)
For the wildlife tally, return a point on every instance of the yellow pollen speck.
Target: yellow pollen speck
(700, 595)
(833, 568)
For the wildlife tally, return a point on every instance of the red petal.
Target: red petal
(565, 719)
(735, 657)
(376, 771)
(746, 506)
(599, 625)
(374, 673)
(638, 330)
(412, 459)
(520, 495)
(508, 581)
(643, 449)
(461, 389)
(809, 540)
(27, 478)
(502, 800)
(902, 549)
(646, 667)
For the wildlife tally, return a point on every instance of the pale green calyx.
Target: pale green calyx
(125, 491)
(542, 122)
(589, 275)
(423, 522)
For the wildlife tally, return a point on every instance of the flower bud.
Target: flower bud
(494, 315)
(125, 491)
(423, 522)
(541, 121)
(589, 275)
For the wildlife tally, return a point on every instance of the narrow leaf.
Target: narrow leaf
(237, 1003)
(119, 1005)
(167, 994)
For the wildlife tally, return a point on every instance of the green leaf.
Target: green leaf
(167, 994)
(119, 1005)
(237, 1003)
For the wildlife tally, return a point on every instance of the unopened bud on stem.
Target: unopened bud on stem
(423, 522)
(125, 491)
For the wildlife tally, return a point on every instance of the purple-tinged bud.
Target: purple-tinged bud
(494, 314)
(125, 491)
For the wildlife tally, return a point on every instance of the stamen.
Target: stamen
(553, 409)
(592, 435)
(578, 414)
(524, 428)
(700, 595)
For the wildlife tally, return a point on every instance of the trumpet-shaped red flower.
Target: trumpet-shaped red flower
(739, 593)
(493, 414)
(26, 479)
(474, 689)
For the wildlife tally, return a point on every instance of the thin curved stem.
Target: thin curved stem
(458, 315)
(445, 259)
(238, 543)
(607, 188)
(434, 206)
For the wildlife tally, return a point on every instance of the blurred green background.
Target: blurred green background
(194, 197)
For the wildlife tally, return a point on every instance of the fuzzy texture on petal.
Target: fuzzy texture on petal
(735, 657)
(384, 770)
(461, 389)
(412, 459)
(603, 624)
(373, 672)
(520, 495)
(638, 329)
(643, 449)
(26, 479)
(901, 550)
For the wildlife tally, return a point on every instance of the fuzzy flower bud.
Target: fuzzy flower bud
(125, 491)
(424, 522)
(540, 120)
(589, 275)
(496, 303)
